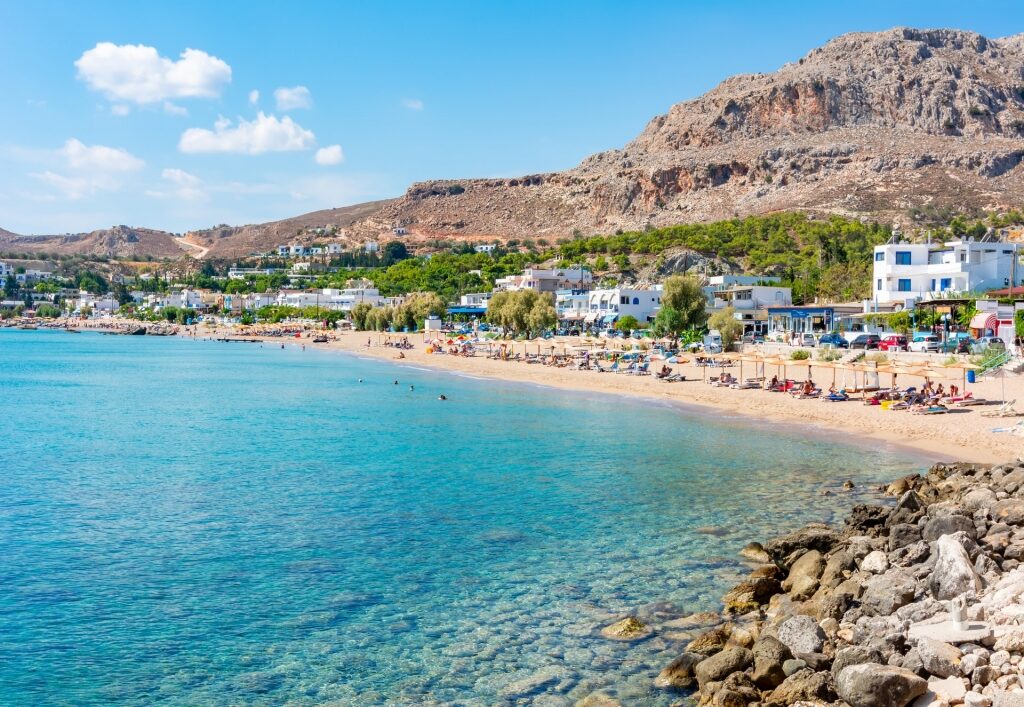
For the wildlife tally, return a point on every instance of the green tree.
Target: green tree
(627, 323)
(10, 286)
(729, 327)
(359, 314)
(522, 312)
(682, 306)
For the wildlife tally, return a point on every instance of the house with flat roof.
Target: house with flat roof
(908, 272)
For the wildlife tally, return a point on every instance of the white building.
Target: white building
(371, 247)
(751, 302)
(334, 249)
(330, 298)
(908, 272)
(5, 270)
(242, 273)
(485, 248)
(605, 307)
(547, 280)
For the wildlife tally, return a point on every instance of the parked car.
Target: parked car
(713, 342)
(753, 338)
(805, 339)
(989, 343)
(958, 342)
(866, 342)
(925, 343)
(893, 343)
(834, 339)
(776, 337)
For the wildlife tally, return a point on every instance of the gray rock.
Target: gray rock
(815, 536)
(947, 525)
(836, 567)
(854, 655)
(1012, 641)
(984, 675)
(903, 534)
(953, 573)
(680, 672)
(755, 552)
(978, 499)
(802, 686)
(912, 662)
(872, 685)
(721, 665)
(1004, 698)
(769, 655)
(885, 593)
(801, 634)
(793, 665)
(876, 562)
(1010, 511)
(976, 699)
(938, 658)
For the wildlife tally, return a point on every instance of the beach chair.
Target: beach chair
(1004, 410)
(930, 410)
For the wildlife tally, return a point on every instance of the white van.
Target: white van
(713, 342)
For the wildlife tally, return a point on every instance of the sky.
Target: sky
(189, 114)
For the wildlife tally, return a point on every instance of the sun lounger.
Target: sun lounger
(1004, 410)
(967, 402)
(931, 410)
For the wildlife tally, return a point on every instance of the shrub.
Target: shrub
(800, 355)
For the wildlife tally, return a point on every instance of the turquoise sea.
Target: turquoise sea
(190, 522)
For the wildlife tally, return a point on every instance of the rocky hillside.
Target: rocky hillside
(121, 241)
(870, 123)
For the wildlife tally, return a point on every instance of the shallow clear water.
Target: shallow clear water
(193, 522)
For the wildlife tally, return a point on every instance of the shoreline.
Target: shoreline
(959, 435)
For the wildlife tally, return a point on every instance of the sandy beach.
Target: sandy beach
(962, 434)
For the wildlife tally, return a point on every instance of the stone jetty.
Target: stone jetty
(914, 602)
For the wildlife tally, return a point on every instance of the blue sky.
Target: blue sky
(107, 120)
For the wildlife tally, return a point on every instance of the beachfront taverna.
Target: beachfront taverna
(908, 272)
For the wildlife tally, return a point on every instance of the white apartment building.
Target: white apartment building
(5, 270)
(605, 307)
(908, 272)
(242, 273)
(371, 247)
(485, 248)
(330, 298)
(547, 280)
(751, 303)
(334, 248)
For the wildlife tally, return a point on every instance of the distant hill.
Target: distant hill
(871, 124)
(121, 241)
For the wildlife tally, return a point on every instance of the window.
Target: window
(879, 287)
(879, 256)
(636, 300)
(947, 283)
(933, 284)
(903, 257)
(903, 285)
(963, 257)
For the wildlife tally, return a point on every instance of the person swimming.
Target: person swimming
(396, 382)
(442, 397)
(412, 387)
(360, 380)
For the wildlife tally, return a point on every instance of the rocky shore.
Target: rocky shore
(919, 602)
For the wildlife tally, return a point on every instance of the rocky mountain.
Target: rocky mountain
(874, 124)
(870, 123)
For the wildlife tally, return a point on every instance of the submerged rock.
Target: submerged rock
(628, 629)
(680, 672)
(755, 552)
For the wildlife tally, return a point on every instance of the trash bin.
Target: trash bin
(970, 376)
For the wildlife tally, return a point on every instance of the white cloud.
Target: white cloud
(99, 157)
(412, 103)
(136, 73)
(90, 169)
(120, 109)
(330, 155)
(267, 133)
(293, 98)
(184, 186)
(175, 109)
(254, 97)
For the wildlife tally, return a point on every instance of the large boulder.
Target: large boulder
(680, 672)
(1010, 511)
(838, 564)
(875, 562)
(938, 658)
(885, 593)
(711, 641)
(815, 536)
(751, 593)
(769, 656)
(721, 665)
(801, 634)
(903, 534)
(953, 573)
(874, 685)
(978, 499)
(947, 525)
(755, 552)
(854, 655)
(802, 686)
(804, 574)
(628, 629)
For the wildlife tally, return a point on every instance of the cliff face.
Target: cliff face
(870, 123)
(120, 241)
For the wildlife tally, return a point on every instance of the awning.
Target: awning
(609, 318)
(985, 320)
(590, 318)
